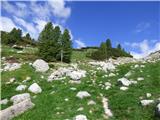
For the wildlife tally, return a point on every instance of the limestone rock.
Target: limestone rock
(80, 117)
(40, 65)
(124, 81)
(82, 94)
(20, 97)
(35, 88)
(146, 102)
(3, 102)
(16, 109)
(21, 87)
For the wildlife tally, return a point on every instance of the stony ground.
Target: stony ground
(58, 100)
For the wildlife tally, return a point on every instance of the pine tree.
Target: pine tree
(109, 48)
(103, 51)
(119, 47)
(108, 44)
(15, 36)
(47, 45)
(65, 47)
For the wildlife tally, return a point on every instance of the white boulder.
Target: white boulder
(140, 78)
(40, 65)
(21, 87)
(35, 88)
(148, 95)
(128, 74)
(124, 81)
(123, 88)
(80, 117)
(82, 94)
(146, 102)
(91, 102)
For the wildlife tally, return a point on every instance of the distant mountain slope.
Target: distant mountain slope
(153, 56)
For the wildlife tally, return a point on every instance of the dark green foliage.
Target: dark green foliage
(101, 53)
(47, 44)
(109, 52)
(15, 37)
(11, 38)
(4, 37)
(65, 47)
(119, 47)
(53, 45)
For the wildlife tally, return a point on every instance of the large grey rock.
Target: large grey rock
(82, 94)
(20, 97)
(16, 109)
(80, 117)
(40, 65)
(35, 88)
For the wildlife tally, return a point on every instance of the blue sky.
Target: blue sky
(135, 25)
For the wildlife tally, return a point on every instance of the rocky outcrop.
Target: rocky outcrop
(74, 74)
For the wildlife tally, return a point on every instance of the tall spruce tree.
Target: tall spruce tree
(15, 36)
(109, 48)
(46, 43)
(119, 47)
(65, 47)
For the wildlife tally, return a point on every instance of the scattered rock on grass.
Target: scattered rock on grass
(80, 117)
(140, 78)
(148, 95)
(21, 87)
(123, 88)
(3, 102)
(107, 111)
(124, 81)
(83, 94)
(91, 102)
(146, 102)
(35, 88)
(40, 65)
(12, 66)
(16, 109)
(20, 97)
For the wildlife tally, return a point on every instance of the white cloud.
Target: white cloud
(59, 9)
(38, 13)
(28, 26)
(142, 27)
(80, 44)
(7, 24)
(20, 9)
(40, 24)
(144, 48)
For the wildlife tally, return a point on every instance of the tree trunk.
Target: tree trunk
(61, 55)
